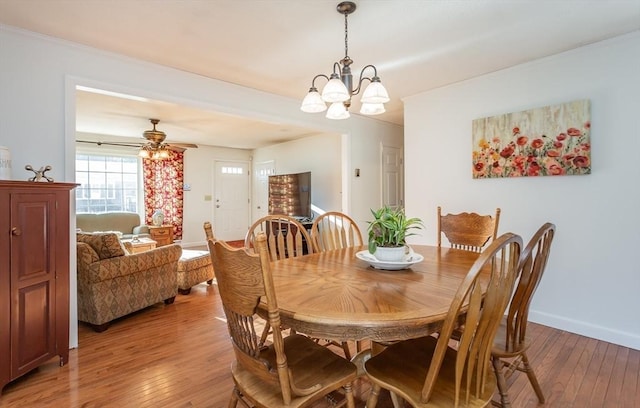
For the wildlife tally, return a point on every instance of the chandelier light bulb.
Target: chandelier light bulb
(313, 102)
(375, 92)
(335, 90)
(372, 109)
(337, 111)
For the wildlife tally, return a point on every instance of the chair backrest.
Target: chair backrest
(468, 231)
(243, 279)
(208, 231)
(533, 262)
(286, 236)
(483, 315)
(335, 230)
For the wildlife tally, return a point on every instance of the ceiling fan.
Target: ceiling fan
(154, 148)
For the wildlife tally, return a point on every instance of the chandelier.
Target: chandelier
(339, 88)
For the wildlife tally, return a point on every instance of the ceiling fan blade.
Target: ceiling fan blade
(183, 145)
(176, 148)
(100, 143)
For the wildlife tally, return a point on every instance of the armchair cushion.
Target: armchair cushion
(106, 245)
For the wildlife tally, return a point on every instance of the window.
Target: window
(107, 183)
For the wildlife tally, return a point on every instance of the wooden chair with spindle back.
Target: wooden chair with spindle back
(208, 231)
(468, 231)
(291, 372)
(428, 372)
(336, 230)
(510, 346)
(286, 236)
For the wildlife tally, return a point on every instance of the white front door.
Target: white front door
(262, 171)
(231, 200)
(392, 176)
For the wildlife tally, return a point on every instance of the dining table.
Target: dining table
(338, 295)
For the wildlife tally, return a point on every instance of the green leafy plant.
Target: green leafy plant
(390, 228)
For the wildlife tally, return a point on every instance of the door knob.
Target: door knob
(218, 206)
(16, 231)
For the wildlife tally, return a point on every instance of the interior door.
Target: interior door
(231, 200)
(262, 171)
(392, 176)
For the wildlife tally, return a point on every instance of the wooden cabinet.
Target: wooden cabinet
(34, 275)
(163, 235)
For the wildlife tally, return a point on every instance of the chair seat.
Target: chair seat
(406, 377)
(309, 363)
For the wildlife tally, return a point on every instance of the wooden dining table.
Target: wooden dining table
(335, 295)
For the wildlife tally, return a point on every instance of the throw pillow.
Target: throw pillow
(107, 245)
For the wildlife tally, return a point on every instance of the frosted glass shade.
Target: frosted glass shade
(335, 91)
(337, 111)
(375, 93)
(372, 108)
(313, 103)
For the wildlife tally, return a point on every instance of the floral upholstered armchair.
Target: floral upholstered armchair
(112, 283)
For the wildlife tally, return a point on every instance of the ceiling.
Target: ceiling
(278, 46)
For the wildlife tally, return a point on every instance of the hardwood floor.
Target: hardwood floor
(179, 355)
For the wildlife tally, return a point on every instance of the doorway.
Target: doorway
(231, 200)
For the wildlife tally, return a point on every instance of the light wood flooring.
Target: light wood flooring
(178, 356)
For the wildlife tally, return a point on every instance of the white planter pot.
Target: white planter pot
(390, 254)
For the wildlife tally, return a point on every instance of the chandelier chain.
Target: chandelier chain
(346, 37)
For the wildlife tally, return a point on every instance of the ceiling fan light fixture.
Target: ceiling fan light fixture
(341, 87)
(144, 153)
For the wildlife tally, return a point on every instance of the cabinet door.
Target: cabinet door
(33, 278)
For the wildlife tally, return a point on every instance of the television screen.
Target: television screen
(290, 194)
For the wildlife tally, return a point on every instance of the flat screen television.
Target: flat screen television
(290, 194)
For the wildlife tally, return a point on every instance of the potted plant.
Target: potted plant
(388, 232)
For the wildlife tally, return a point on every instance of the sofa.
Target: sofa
(126, 223)
(113, 283)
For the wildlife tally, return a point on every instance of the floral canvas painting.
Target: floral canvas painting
(548, 141)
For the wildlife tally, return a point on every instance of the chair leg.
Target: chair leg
(233, 401)
(532, 378)
(348, 392)
(395, 400)
(502, 385)
(345, 349)
(372, 401)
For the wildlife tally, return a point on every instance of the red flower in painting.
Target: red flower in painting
(554, 168)
(558, 145)
(507, 151)
(537, 143)
(478, 166)
(553, 153)
(561, 136)
(581, 161)
(534, 169)
(522, 140)
(516, 130)
(574, 132)
(587, 125)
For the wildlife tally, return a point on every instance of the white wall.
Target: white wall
(592, 281)
(38, 75)
(321, 155)
(199, 174)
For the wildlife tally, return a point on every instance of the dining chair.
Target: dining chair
(286, 236)
(208, 231)
(468, 231)
(336, 230)
(291, 372)
(428, 371)
(509, 352)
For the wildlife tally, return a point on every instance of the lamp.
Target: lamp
(339, 88)
(158, 152)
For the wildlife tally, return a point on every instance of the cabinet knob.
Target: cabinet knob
(16, 231)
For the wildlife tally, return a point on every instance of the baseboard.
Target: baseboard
(626, 339)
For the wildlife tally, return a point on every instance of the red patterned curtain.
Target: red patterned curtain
(163, 183)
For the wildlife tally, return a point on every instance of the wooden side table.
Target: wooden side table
(163, 235)
(143, 244)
